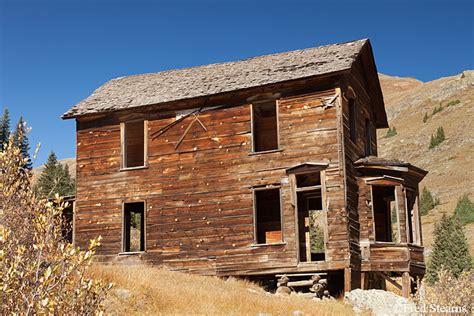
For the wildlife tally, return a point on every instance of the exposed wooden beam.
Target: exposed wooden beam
(389, 279)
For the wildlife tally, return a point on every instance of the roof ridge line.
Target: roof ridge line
(241, 60)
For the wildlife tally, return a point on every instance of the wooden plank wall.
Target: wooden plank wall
(199, 197)
(355, 87)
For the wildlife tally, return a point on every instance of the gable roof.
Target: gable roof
(180, 84)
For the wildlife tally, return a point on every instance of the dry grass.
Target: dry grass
(158, 291)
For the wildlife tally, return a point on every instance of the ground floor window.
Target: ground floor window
(268, 216)
(134, 227)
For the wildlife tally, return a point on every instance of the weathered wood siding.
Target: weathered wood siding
(199, 197)
(354, 150)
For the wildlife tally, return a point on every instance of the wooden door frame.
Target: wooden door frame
(324, 204)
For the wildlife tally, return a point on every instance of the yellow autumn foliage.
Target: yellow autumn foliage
(40, 272)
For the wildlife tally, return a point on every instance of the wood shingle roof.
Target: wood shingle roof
(180, 84)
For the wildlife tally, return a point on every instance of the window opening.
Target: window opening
(268, 216)
(134, 144)
(265, 126)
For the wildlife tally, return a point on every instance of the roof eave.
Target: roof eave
(68, 115)
(381, 121)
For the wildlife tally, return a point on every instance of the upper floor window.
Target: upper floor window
(352, 120)
(368, 137)
(134, 151)
(265, 126)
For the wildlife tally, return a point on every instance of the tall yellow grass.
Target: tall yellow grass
(150, 290)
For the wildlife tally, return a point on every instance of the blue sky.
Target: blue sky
(55, 53)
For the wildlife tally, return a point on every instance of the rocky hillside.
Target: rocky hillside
(451, 164)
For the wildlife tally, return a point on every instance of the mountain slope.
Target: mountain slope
(450, 165)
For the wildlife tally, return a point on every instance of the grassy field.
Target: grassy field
(142, 290)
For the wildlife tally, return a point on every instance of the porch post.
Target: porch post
(347, 280)
(402, 212)
(406, 284)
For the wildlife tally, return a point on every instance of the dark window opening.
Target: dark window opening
(352, 120)
(134, 142)
(134, 227)
(308, 179)
(268, 217)
(265, 126)
(311, 218)
(385, 213)
(368, 138)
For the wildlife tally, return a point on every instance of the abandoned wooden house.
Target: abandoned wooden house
(263, 167)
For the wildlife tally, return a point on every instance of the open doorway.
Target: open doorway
(134, 227)
(311, 218)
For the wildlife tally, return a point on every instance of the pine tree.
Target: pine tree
(391, 132)
(465, 210)
(55, 178)
(437, 109)
(67, 183)
(450, 249)
(437, 138)
(427, 201)
(20, 139)
(4, 129)
(425, 118)
(440, 134)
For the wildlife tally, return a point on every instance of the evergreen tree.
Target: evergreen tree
(465, 210)
(391, 132)
(425, 118)
(437, 138)
(20, 139)
(55, 178)
(4, 129)
(67, 183)
(427, 201)
(450, 249)
(437, 109)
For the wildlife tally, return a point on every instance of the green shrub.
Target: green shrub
(437, 109)
(392, 131)
(465, 210)
(437, 138)
(453, 102)
(427, 201)
(450, 250)
(425, 117)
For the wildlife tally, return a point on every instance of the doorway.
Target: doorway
(311, 218)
